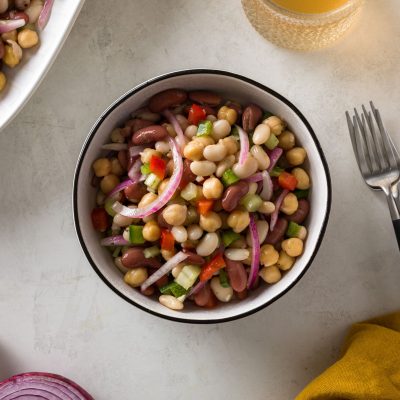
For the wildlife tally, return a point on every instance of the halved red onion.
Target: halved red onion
(267, 188)
(196, 288)
(164, 197)
(117, 240)
(180, 137)
(244, 145)
(7, 25)
(255, 254)
(255, 178)
(45, 14)
(135, 151)
(167, 267)
(115, 146)
(134, 172)
(120, 187)
(41, 385)
(274, 156)
(278, 203)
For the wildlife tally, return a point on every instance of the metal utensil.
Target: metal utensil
(377, 158)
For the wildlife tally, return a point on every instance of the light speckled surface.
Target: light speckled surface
(58, 316)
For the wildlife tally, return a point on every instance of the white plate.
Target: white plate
(23, 80)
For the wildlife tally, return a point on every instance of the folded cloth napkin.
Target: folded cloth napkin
(369, 368)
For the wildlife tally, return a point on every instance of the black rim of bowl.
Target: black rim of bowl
(139, 88)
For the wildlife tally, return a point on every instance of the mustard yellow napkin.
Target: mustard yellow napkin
(369, 368)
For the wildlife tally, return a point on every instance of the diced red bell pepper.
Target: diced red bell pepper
(196, 114)
(158, 166)
(99, 219)
(204, 206)
(214, 265)
(287, 181)
(167, 240)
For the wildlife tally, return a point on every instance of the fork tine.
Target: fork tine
(365, 145)
(360, 146)
(352, 137)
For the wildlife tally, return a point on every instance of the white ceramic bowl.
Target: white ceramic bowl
(244, 91)
(26, 77)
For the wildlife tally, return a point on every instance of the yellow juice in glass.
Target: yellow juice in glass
(302, 24)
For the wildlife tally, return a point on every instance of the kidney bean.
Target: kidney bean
(162, 281)
(187, 175)
(241, 295)
(123, 158)
(149, 134)
(137, 123)
(134, 258)
(302, 211)
(167, 98)
(148, 291)
(2, 49)
(135, 191)
(194, 258)
(278, 233)
(233, 194)
(205, 97)
(237, 274)
(251, 115)
(202, 297)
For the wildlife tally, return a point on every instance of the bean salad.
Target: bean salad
(199, 197)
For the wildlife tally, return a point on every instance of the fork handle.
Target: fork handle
(392, 199)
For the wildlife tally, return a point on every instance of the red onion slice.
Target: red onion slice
(7, 25)
(120, 187)
(181, 139)
(167, 267)
(135, 151)
(244, 145)
(164, 197)
(115, 146)
(274, 156)
(196, 288)
(45, 14)
(278, 203)
(134, 172)
(255, 178)
(41, 385)
(267, 186)
(117, 240)
(255, 254)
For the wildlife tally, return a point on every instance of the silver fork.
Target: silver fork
(377, 158)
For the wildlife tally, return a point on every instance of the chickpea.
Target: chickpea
(287, 140)
(166, 254)
(267, 207)
(210, 221)
(102, 167)
(136, 276)
(284, 262)
(276, 124)
(116, 167)
(146, 154)
(212, 188)
(3, 81)
(293, 246)
(221, 129)
(290, 204)
(224, 165)
(296, 156)
(269, 256)
(191, 131)
(161, 187)
(215, 152)
(303, 180)
(302, 233)
(121, 220)
(12, 35)
(230, 144)
(116, 136)
(270, 274)
(108, 183)
(239, 220)
(227, 113)
(194, 150)
(27, 38)
(12, 54)
(175, 214)
(147, 199)
(151, 231)
(179, 233)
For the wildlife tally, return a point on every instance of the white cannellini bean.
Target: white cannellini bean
(215, 152)
(261, 134)
(237, 254)
(262, 230)
(221, 129)
(194, 232)
(207, 244)
(162, 146)
(177, 270)
(179, 233)
(170, 302)
(183, 122)
(121, 220)
(252, 188)
(224, 164)
(221, 293)
(261, 157)
(191, 131)
(250, 167)
(203, 168)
